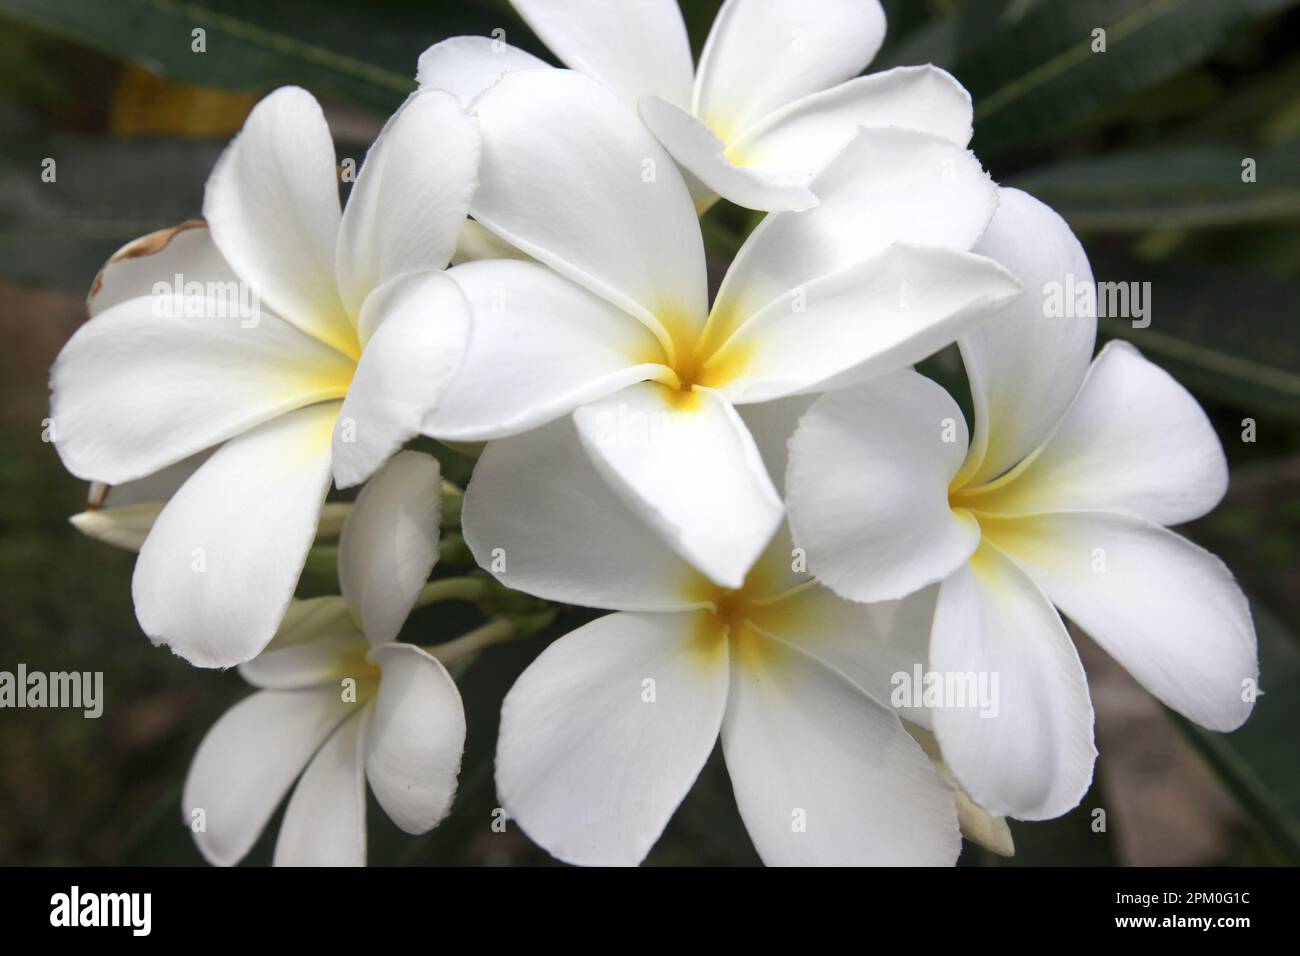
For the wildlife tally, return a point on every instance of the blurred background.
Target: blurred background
(1141, 148)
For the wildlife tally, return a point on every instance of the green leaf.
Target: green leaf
(361, 52)
(1040, 75)
(1180, 188)
(1260, 763)
(1222, 332)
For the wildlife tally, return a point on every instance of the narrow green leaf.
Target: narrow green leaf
(1179, 188)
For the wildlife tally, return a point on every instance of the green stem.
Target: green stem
(453, 589)
(452, 549)
(493, 632)
(452, 499)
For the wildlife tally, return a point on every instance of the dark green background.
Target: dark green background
(1139, 147)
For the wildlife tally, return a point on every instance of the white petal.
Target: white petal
(591, 759)
(1027, 750)
(1134, 442)
(415, 739)
(798, 140)
(868, 643)
(635, 47)
(1167, 610)
(390, 543)
(539, 347)
(325, 821)
(135, 389)
(823, 775)
(539, 514)
(872, 318)
(886, 186)
(763, 54)
(867, 488)
(410, 198)
(272, 204)
(466, 66)
(772, 424)
(186, 249)
(1024, 364)
(685, 463)
(217, 572)
(247, 762)
(318, 644)
(596, 198)
(416, 331)
(698, 149)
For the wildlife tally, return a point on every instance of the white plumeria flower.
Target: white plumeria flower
(340, 698)
(352, 336)
(777, 94)
(605, 732)
(1061, 499)
(617, 331)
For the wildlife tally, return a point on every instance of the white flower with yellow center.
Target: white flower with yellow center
(1061, 499)
(776, 96)
(604, 734)
(307, 343)
(341, 698)
(617, 332)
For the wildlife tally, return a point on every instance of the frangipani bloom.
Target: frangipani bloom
(305, 342)
(604, 734)
(1061, 499)
(775, 98)
(617, 332)
(340, 698)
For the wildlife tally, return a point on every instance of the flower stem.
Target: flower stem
(452, 499)
(493, 632)
(453, 589)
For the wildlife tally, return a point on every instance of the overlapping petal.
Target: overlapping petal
(543, 519)
(1025, 364)
(685, 464)
(216, 574)
(886, 186)
(390, 543)
(799, 139)
(280, 169)
(410, 199)
(597, 198)
(763, 54)
(540, 347)
(416, 328)
(242, 771)
(466, 66)
(634, 47)
(698, 149)
(416, 737)
(867, 488)
(1031, 755)
(136, 390)
(325, 821)
(1167, 610)
(823, 775)
(604, 733)
(1134, 442)
(870, 319)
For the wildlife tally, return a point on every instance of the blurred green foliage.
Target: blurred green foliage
(1140, 148)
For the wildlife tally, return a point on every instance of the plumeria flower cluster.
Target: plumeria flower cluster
(782, 515)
